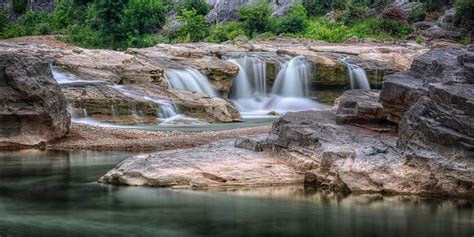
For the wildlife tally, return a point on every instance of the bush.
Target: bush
(315, 7)
(437, 5)
(4, 20)
(193, 27)
(255, 19)
(323, 29)
(465, 13)
(143, 17)
(200, 6)
(393, 13)
(417, 14)
(295, 20)
(19, 6)
(225, 32)
(353, 13)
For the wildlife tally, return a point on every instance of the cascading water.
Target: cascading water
(189, 79)
(167, 112)
(357, 76)
(293, 79)
(288, 94)
(251, 80)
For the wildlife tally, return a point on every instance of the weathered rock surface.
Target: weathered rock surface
(360, 107)
(32, 108)
(444, 65)
(443, 122)
(443, 29)
(112, 66)
(347, 158)
(225, 10)
(218, 164)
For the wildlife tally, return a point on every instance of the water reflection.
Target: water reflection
(55, 194)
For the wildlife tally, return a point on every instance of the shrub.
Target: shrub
(437, 5)
(193, 27)
(417, 14)
(19, 6)
(4, 20)
(255, 19)
(315, 7)
(323, 29)
(353, 13)
(465, 13)
(295, 20)
(224, 32)
(200, 6)
(143, 17)
(393, 13)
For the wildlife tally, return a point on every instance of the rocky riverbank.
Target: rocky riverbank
(359, 146)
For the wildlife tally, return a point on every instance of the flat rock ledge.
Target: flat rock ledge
(216, 165)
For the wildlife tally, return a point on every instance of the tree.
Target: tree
(255, 19)
(194, 27)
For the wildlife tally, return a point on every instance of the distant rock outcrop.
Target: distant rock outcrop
(32, 109)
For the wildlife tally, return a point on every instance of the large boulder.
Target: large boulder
(444, 65)
(443, 122)
(33, 110)
(360, 107)
(353, 159)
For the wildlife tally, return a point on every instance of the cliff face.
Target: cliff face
(35, 5)
(226, 10)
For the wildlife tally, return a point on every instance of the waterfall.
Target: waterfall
(288, 94)
(189, 79)
(357, 76)
(293, 78)
(251, 80)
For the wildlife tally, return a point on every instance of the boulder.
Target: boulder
(443, 122)
(360, 107)
(33, 110)
(402, 90)
(251, 143)
(348, 158)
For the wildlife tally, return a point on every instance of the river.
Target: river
(46, 193)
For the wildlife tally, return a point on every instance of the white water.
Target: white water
(189, 79)
(357, 77)
(288, 94)
(168, 113)
(293, 78)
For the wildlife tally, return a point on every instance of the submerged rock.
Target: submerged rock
(33, 110)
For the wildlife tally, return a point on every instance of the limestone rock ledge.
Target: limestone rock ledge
(33, 110)
(218, 164)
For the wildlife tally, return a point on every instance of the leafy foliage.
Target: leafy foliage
(225, 32)
(200, 6)
(465, 13)
(19, 6)
(194, 27)
(4, 20)
(255, 19)
(295, 20)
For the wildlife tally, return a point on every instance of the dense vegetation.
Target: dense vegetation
(140, 23)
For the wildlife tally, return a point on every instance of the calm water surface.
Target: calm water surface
(55, 194)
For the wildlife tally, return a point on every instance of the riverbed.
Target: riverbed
(48, 193)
